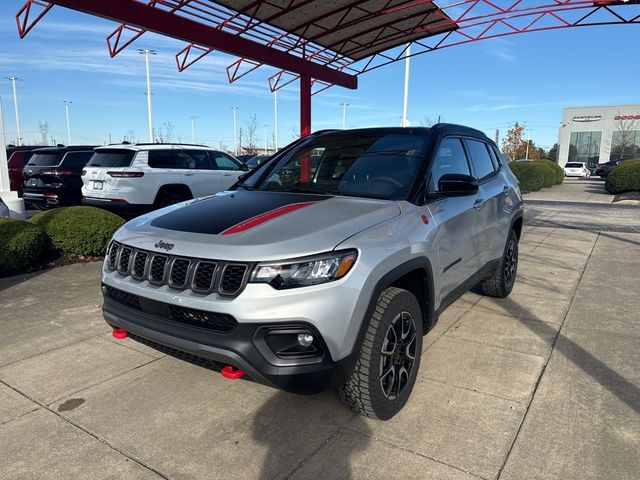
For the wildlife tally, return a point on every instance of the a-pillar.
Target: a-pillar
(15, 203)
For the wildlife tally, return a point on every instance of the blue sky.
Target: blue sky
(488, 85)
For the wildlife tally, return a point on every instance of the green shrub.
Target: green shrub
(78, 230)
(22, 244)
(537, 174)
(624, 177)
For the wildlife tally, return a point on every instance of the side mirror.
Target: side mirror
(245, 167)
(457, 185)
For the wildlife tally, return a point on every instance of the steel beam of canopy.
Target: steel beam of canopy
(136, 14)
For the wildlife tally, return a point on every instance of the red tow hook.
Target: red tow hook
(231, 373)
(119, 333)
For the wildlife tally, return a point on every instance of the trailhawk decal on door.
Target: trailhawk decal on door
(234, 212)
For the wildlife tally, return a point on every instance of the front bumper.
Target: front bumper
(244, 348)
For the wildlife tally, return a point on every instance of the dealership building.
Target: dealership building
(598, 134)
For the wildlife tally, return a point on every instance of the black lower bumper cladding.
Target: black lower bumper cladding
(244, 347)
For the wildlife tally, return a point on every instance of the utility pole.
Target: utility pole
(66, 108)
(146, 52)
(405, 108)
(235, 131)
(15, 105)
(528, 142)
(344, 115)
(497, 136)
(275, 125)
(193, 129)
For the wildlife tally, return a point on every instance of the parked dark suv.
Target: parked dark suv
(17, 158)
(52, 177)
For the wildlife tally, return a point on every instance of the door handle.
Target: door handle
(187, 174)
(226, 174)
(479, 203)
(505, 189)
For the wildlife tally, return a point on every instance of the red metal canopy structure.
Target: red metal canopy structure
(323, 43)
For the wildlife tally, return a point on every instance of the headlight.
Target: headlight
(304, 272)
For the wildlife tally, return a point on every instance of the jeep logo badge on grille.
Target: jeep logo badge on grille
(164, 245)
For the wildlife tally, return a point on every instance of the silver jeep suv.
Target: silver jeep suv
(326, 265)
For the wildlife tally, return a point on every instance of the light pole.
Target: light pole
(15, 105)
(405, 106)
(146, 52)
(193, 129)
(344, 115)
(526, 157)
(235, 131)
(66, 108)
(275, 118)
(266, 140)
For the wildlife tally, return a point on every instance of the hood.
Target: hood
(255, 226)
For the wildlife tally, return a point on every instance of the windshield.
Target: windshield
(111, 158)
(45, 159)
(382, 165)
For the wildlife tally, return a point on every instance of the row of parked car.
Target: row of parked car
(582, 170)
(127, 178)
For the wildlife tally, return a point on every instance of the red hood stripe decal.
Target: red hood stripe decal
(264, 217)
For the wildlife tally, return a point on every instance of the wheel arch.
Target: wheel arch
(171, 188)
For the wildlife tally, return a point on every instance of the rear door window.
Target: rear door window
(450, 158)
(76, 160)
(480, 158)
(111, 158)
(194, 160)
(163, 158)
(45, 159)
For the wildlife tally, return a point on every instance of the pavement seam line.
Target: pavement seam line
(476, 342)
(544, 366)
(84, 339)
(116, 375)
(20, 416)
(306, 459)
(482, 392)
(88, 432)
(408, 450)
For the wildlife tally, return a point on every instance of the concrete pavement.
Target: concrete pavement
(589, 190)
(544, 384)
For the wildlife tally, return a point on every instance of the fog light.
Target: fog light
(305, 339)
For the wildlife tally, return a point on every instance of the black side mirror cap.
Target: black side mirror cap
(457, 185)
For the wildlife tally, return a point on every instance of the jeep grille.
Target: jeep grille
(180, 273)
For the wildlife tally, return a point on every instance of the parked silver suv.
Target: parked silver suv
(325, 266)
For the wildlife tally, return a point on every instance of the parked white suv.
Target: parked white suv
(137, 178)
(576, 169)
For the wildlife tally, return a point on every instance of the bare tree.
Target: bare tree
(130, 137)
(43, 127)
(165, 133)
(430, 122)
(249, 142)
(295, 133)
(625, 139)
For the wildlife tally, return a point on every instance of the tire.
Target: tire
(386, 368)
(170, 197)
(501, 283)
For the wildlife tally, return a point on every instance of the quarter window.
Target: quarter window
(162, 159)
(223, 162)
(449, 159)
(482, 162)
